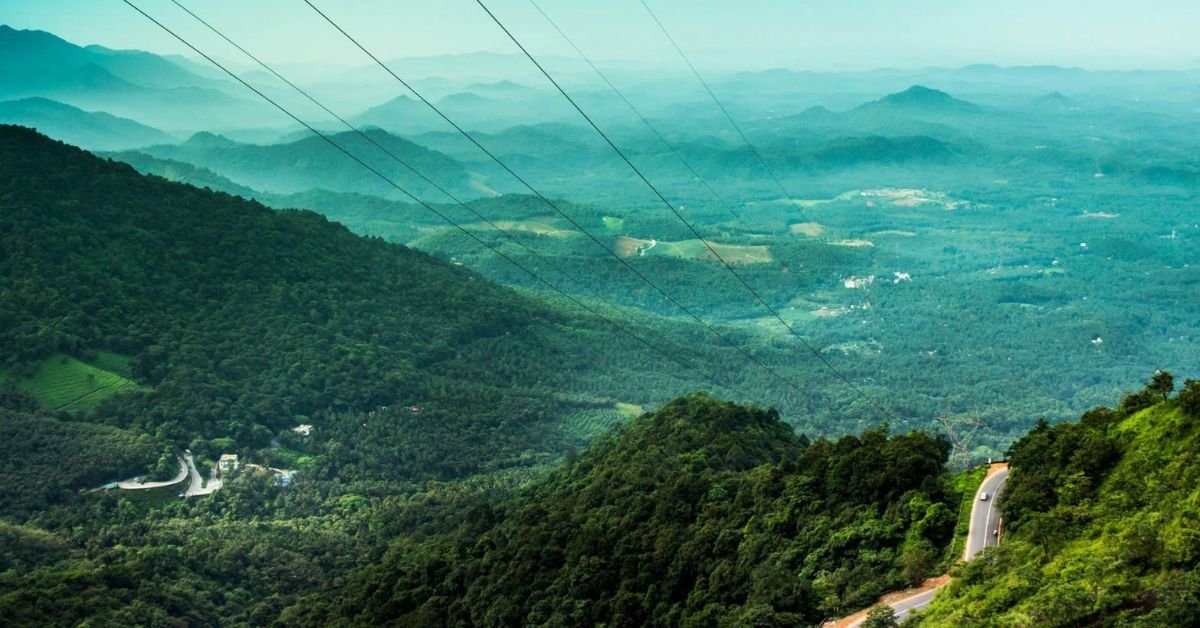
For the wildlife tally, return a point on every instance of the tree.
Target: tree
(1189, 398)
(882, 616)
(1163, 383)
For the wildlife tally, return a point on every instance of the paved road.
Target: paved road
(134, 485)
(916, 602)
(196, 486)
(985, 519)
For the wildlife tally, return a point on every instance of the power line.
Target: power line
(736, 127)
(404, 163)
(555, 207)
(678, 155)
(405, 192)
(854, 387)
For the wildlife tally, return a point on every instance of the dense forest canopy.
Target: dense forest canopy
(246, 382)
(703, 513)
(240, 322)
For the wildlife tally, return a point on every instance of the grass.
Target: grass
(586, 425)
(113, 362)
(630, 410)
(62, 382)
(964, 484)
(612, 223)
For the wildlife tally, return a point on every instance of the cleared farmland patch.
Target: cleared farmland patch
(612, 223)
(694, 250)
(538, 226)
(62, 382)
(810, 229)
(630, 410)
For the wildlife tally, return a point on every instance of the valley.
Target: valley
(404, 340)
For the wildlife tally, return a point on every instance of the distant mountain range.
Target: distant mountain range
(92, 130)
(311, 163)
(132, 84)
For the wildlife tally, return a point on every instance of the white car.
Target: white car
(983, 497)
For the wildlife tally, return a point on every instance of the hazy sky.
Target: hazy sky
(721, 34)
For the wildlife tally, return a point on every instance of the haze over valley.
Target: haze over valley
(511, 335)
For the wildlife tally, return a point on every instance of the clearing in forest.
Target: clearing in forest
(62, 382)
(612, 223)
(631, 411)
(538, 226)
(810, 229)
(694, 250)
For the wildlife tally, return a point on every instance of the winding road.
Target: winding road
(197, 486)
(135, 485)
(985, 519)
(187, 467)
(982, 533)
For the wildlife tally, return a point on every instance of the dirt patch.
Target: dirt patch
(810, 229)
(740, 254)
(994, 467)
(628, 247)
(827, 312)
(537, 226)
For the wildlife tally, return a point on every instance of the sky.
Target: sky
(718, 34)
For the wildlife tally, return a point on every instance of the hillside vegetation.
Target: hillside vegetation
(703, 513)
(43, 460)
(61, 382)
(242, 322)
(1101, 520)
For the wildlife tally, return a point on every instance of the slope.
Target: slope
(1100, 520)
(703, 513)
(246, 321)
(87, 129)
(127, 83)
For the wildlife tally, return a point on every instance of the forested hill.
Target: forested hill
(252, 315)
(1101, 520)
(237, 322)
(704, 513)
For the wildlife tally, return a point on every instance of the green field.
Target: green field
(585, 425)
(65, 383)
(631, 411)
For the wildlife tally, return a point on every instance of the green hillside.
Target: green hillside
(44, 461)
(61, 382)
(246, 321)
(429, 390)
(1101, 520)
(703, 513)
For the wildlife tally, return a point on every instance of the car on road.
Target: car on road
(983, 497)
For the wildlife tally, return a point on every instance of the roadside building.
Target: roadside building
(228, 463)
